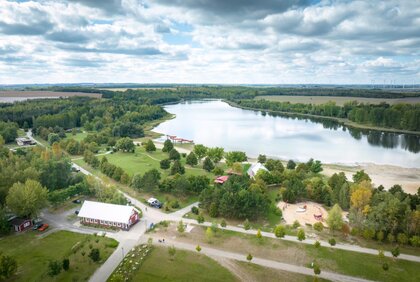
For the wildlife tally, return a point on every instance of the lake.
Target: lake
(215, 123)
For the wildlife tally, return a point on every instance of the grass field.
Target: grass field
(185, 266)
(338, 100)
(142, 161)
(78, 137)
(33, 254)
(334, 260)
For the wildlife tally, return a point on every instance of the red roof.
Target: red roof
(221, 179)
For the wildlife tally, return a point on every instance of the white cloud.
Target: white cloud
(209, 41)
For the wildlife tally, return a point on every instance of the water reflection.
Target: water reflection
(215, 123)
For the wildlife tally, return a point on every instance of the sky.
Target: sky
(210, 41)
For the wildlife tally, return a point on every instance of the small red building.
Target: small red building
(21, 224)
(221, 179)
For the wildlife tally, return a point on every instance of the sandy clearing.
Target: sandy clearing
(290, 212)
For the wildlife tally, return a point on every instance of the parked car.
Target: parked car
(154, 203)
(77, 201)
(43, 227)
(37, 225)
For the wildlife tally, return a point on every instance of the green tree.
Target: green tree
(171, 252)
(181, 227)
(291, 164)
(301, 234)
(209, 234)
(150, 146)
(262, 158)
(335, 218)
(177, 167)
(208, 164)
(249, 257)
(280, 231)
(53, 138)
(317, 269)
(165, 164)
(167, 146)
(395, 252)
(125, 144)
(215, 154)
(191, 159)
(360, 176)
(66, 264)
(200, 218)
(223, 223)
(200, 151)
(259, 235)
(27, 199)
(235, 157)
(54, 268)
(174, 154)
(198, 248)
(317, 244)
(95, 255)
(318, 226)
(247, 225)
(8, 266)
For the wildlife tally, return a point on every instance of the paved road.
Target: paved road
(263, 262)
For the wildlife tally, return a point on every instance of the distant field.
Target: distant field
(30, 94)
(338, 100)
(136, 88)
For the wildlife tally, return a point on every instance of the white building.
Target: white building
(108, 215)
(253, 170)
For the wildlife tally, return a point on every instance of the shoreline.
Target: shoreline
(341, 121)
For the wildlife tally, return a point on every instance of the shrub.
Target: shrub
(247, 225)
(296, 224)
(402, 238)
(380, 236)
(95, 255)
(194, 210)
(317, 244)
(385, 266)
(198, 248)
(165, 164)
(415, 241)
(54, 268)
(172, 252)
(66, 264)
(249, 257)
(395, 252)
(223, 223)
(181, 227)
(259, 235)
(332, 242)
(301, 234)
(317, 269)
(280, 231)
(200, 219)
(390, 238)
(318, 226)
(218, 171)
(174, 204)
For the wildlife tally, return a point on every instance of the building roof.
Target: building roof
(105, 211)
(221, 179)
(253, 170)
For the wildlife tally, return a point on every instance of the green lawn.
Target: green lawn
(33, 254)
(186, 266)
(78, 137)
(141, 161)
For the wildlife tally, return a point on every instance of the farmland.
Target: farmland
(340, 101)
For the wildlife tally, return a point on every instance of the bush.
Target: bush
(402, 239)
(66, 264)
(223, 223)
(218, 171)
(247, 225)
(95, 255)
(198, 248)
(332, 242)
(54, 268)
(112, 244)
(165, 164)
(194, 210)
(385, 266)
(249, 257)
(296, 224)
(390, 238)
(200, 219)
(181, 227)
(318, 226)
(301, 234)
(259, 235)
(395, 252)
(174, 204)
(415, 241)
(317, 270)
(280, 231)
(317, 244)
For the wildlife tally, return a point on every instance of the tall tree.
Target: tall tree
(167, 146)
(335, 218)
(27, 199)
(200, 151)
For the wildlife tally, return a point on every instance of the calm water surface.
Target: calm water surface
(215, 123)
